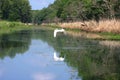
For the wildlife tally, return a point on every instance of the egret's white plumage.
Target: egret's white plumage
(58, 30)
(56, 58)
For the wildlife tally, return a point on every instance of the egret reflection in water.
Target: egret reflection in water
(56, 58)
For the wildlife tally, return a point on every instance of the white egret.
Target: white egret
(58, 30)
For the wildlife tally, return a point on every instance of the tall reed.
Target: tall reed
(93, 26)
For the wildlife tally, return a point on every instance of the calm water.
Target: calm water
(30, 55)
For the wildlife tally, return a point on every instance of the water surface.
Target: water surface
(29, 55)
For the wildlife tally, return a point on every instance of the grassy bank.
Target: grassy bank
(9, 27)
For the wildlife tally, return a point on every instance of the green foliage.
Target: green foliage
(44, 15)
(15, 10)
(75, 10)
(117, 9)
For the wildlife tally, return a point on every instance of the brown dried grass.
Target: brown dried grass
(92, 26)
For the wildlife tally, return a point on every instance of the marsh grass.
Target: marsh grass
(110, 26)
(9, 27)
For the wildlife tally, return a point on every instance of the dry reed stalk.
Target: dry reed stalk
(93, 26)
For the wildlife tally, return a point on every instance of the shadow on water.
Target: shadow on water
(93, 59)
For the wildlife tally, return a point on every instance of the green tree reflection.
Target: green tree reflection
(16, 43)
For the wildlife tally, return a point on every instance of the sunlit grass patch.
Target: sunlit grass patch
(111, 36)
(8, 27)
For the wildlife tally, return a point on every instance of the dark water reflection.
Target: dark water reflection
(29, 55)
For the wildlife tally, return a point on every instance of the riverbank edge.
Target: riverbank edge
(7, 27)
(104, 35)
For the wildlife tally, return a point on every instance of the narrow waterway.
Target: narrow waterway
(37, 55)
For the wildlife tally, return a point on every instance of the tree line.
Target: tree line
(15, 10)
(77, 10)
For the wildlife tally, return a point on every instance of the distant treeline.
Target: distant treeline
(78, 10)
(15, 10)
